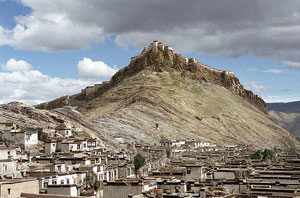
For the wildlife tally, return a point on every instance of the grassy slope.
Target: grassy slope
(183, 108)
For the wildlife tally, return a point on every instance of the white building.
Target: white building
(25, 139)
(64, 130)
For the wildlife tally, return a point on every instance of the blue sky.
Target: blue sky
(53, 48)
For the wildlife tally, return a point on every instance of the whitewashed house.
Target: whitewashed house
(25, 139)
(63, 130)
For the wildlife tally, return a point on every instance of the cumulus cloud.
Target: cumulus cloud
(268, 28)
(19, 83)
(89, 69)
(256, 87)
(50, 28)
(16, 65)
(33, 87)
(274, 71)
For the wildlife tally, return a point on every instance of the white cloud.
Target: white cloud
(16, 65)
(89, 69)
(292, 65)
(19, 83)
(291, 98)
(34, 87)
(50, 28)
(275, 71)
(256, 87)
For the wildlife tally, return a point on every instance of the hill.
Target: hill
(162, 93)
(28, 117)
(286, 115)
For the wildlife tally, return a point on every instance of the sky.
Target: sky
(53, 48)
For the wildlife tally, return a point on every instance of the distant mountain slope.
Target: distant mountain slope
(286, 115)
(288, 121)
(163, 93)
(285, 107)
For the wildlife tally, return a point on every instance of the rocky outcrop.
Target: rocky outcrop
(57, 103)
(160, 58)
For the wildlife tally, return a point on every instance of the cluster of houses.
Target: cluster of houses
(36, 165)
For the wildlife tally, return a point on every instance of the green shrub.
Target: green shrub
(139, 161)
(168, 151)
(256, 155)
(268, 154)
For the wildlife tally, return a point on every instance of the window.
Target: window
(54, 182)
(28, 137)
(84, 145)
(62, 182)
(8, 191)
(67, 132)
(78, 146)
(189, 171)
(45, 184)
(4, 167)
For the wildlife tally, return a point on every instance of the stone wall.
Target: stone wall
(57, 103)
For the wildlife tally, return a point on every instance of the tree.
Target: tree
(268, 154)
(168, 151)
(139, 161)
(256, 155)
(91, 181)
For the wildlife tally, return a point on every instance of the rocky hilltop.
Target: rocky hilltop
(162, 94)
(159, 58)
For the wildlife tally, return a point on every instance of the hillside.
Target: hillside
(286, 115)
(28, 117)
(162, 93)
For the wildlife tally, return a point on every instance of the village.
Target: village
(34, 164)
